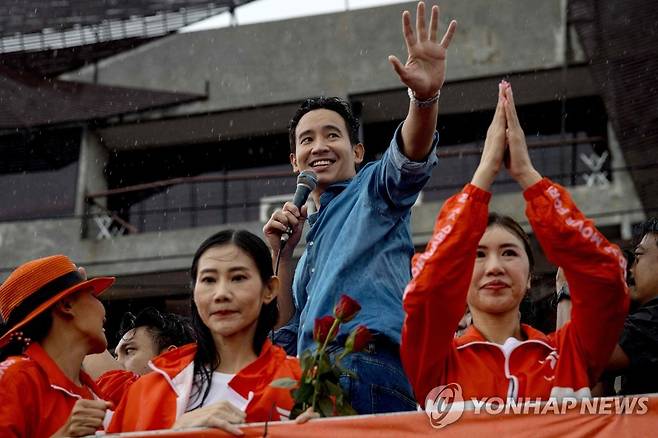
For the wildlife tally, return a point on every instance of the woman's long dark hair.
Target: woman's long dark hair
(207, 358)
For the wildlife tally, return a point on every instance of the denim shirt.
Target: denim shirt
(359, 244)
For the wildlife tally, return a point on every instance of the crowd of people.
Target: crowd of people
(249, 324)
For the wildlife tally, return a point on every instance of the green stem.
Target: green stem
(318, 355)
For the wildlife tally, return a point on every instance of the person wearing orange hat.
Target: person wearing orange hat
(51, 319)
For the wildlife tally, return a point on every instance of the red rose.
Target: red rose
(322, 327)
(346, 309)
(358, 339)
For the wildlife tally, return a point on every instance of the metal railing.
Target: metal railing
(109, 30)
(190, 202)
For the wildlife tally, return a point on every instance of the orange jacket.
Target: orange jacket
(36, 397)
(157, 399)
(115, 383)
(564, 363)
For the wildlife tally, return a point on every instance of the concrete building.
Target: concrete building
(144, 189)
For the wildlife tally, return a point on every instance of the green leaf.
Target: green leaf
(324, 364)
(297, 410)
(307, 376)
(303, 394)
(326, 407)
(285, 382)
(306, 360)
(345, 409)
(334, 389)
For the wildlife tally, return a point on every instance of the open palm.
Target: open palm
(425, 69)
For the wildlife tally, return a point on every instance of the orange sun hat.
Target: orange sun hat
(38, 284)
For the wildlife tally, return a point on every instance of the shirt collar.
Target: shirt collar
(326, 197)
(472, 334)
(56, 376)
(251, 376)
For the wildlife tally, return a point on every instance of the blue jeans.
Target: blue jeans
(380, 384)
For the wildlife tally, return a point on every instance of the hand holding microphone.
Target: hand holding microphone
(285, 226)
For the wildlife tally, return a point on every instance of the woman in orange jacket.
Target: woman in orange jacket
(224, 378)
(52, 320)
(486, 261)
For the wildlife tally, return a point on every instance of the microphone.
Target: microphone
(306, 183)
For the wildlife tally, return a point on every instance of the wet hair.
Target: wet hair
(335, 104)
(650, 226)
(165, 328)
(513, 227)
(207, 359)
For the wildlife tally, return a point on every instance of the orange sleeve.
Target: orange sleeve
(595, 270)
(435, 299)
(114, 384)
(16, 397)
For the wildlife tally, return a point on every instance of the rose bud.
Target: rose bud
(322, 327)
(346, 308)
(358, 339)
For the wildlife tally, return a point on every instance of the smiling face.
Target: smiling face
(645, 269)
(322, 144)
(229, 292)
(501, 275)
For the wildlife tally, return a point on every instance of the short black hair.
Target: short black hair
(650, 226)
(335, 104)
(165, 328)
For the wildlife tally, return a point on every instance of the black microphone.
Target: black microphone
(306, 183)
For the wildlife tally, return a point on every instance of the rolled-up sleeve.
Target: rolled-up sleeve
(401, 179)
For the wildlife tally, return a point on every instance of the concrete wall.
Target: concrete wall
(91, 169)
(335, 54)
(123, 255)
(281, 62)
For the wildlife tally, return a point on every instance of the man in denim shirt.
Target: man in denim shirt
(359, 241)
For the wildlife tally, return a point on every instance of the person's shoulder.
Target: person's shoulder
(283, 359)
(143, 384)
(16, 369)
(647, 312)
(114, 377)
(176, 359)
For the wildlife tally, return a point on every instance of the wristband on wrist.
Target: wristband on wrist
(423, 103)
(563, 293)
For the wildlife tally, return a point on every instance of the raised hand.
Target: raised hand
(85, 419)
(425, 69)
(495, 146)
(287, 217)
(520, 165)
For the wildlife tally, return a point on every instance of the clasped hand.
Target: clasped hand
(505, 144)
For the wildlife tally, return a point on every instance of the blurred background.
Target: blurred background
(132, 130)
